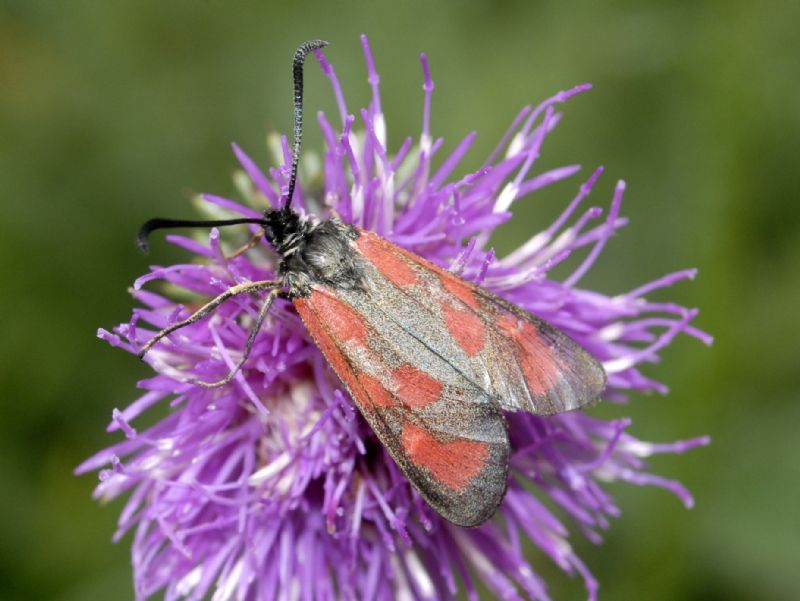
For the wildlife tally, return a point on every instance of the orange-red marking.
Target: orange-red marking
(345, 324)
(460, 289)
(329, 349)
(377, 392)
(534, 356)
(384, 256)
(455, 464)
(415, 388)
(466, 328)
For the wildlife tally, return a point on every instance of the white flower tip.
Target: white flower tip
(637, 448)
(425, 143)
(420, 576)
(617, 365)
(226, 585)
(302, 392)
(380, 128)
(611, 332)
(516, 145)
(188, 583)
(276, 465)
(506, 197)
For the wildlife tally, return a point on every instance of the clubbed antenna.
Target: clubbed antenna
(297, 72)
(161, 224)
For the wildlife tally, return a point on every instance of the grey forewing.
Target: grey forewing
(416, 314)
(416, 309)
(328, 257)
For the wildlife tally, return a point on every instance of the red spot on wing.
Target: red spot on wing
(462, 290)
(378, 395)
(466, 328)
(366, 390)
(509, 325)
(344, 322)
(387, 259)
(455, 464)
(459, 288)
(415, 388)
(535, 357)
(308, 311)
(395, 263)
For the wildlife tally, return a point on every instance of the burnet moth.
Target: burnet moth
(431, 360)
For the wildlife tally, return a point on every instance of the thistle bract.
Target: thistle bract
(273, 486)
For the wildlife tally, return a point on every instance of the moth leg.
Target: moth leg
(248, 347)
(208, 308)
(254, 240)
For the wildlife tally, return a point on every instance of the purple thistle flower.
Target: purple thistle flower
(273, 486)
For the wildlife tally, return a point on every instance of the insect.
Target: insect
(431, 360)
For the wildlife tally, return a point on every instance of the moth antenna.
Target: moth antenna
(297, 72)
(160, 224)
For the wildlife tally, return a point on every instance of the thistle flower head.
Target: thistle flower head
(273, 486)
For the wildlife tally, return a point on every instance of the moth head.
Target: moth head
(283, 228)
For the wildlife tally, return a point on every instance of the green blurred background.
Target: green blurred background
(113, 112)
